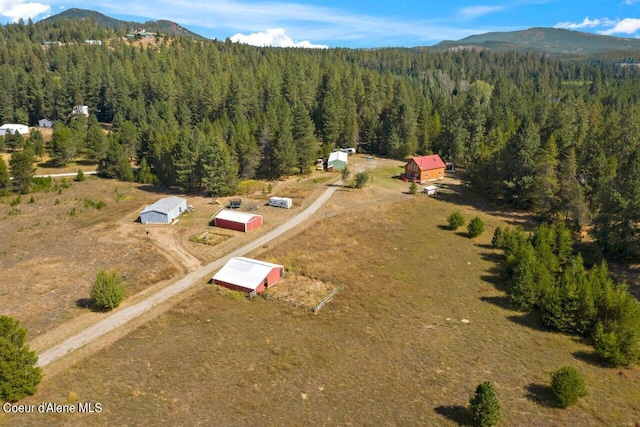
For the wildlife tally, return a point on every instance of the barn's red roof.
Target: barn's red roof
(428, 162)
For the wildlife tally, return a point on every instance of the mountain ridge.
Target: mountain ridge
(162, 26)
(555, 41)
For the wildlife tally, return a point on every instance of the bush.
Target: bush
(455, 220)
(484, 408)
(361, 179)
(617, 346)
(107, 292)
(41, 183)
(19, 370)
(413, 188)
(475, 227)
(79, 176)
(568, 386)
(497, 241)
(346, 174)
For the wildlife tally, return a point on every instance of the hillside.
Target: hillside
(161, 26)
(554, 41)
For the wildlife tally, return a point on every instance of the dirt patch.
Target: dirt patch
(301, 290)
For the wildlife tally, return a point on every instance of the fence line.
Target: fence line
(299, 304)
(288, 301)
(328, 298)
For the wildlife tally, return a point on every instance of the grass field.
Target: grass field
(420, 322)
(54, 242)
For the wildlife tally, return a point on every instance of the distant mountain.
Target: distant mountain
(554, 41)
(161, 26)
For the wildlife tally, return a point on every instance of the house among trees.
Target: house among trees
(164, 211)
(337, 161)
(424, 168)
(14, 128)
(45, 123)
(93, 42)
(248, 275)
(80, 109)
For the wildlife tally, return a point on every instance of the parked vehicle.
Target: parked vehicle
(280, 202)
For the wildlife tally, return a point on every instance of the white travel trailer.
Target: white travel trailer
(281, 202)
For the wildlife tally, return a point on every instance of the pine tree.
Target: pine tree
(617, 225)
(304, 138)
(115, 163)
(22, 169)
(5, 178)
(64, 145)
(568, 386)
(19, 371)
(545, 197)
(484, 407)
(571, 198)
(36, 140)
(95, 143)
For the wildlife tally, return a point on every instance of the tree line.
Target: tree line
(556, 136)
(542, 274)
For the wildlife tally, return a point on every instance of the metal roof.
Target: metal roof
(429, 162)
(235, 216)
(165, 205)
(338, 155)
(245, 272)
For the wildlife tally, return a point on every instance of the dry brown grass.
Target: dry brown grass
(390, 349)
(52, 248)
(301, 290)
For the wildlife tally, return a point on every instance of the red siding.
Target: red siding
(229, 224)
(274, 275)
(255, 222)
(233, 287)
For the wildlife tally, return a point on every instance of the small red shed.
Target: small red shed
(424, 168)
(239, 221)
(248, 275)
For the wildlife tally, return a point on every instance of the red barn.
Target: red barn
(239, 221)
(248, 275)
(424, 168)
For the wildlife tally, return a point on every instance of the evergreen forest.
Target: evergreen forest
(557, 136)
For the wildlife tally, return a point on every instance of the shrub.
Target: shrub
(475, 227)
(484, 408)
(361, 179)
(19, 370)
(346, 174)
(568, 386)
(617, 346)
(108, 291)
(16, 201)
(79, 176)
(497, 241)
(455, 220)
(413, 188)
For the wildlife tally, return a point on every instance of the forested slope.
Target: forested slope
(559, 137)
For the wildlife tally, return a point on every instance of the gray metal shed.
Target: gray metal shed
(163, 211)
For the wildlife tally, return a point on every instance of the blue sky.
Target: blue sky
(353, 23)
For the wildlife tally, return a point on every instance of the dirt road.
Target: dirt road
(123, 316)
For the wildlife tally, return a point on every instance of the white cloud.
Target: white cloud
(625, 26)
(19, 9)
(472, 12)
(275, 37)
(586, 23)
(302, 21)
